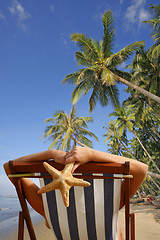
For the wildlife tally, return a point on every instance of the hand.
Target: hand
(79, 155)
(58, 156)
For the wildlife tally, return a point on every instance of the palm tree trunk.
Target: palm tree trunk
(126, 149)
(155, 183)
(140, 196)
(75, 140)
(139, 89)
(153, 189)
(155, 175)
(146, 151)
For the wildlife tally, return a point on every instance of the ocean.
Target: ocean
(9, 207)
(9, 212)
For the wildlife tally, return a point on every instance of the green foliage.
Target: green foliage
(155, 22)
(140, 119)
(64, 128)
(108, 36)
(145, 71)
(135, 130)
(99, 74)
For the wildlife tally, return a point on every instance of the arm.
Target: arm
(57, 155)
(137, 169)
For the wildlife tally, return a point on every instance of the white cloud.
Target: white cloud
(18, 10)
(52, 8)
(131, 14)
(2, 16)
(143, 15)
(136, 12)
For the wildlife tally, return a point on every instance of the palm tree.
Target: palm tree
(113, 137)
(118, 146)
(155, 24)
(125, 119)
(145, 72)
(117, 143)
(100, 72)
(65, 128)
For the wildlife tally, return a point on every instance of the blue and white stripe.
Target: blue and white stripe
(92, 214)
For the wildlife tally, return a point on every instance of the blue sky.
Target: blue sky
(37, 53)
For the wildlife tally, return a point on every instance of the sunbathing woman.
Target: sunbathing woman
(79, 155)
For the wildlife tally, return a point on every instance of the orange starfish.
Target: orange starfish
(62, 180)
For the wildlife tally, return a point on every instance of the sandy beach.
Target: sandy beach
(147, 224)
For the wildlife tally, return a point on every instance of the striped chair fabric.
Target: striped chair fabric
(92, 214)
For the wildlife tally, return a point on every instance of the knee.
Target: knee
(6, 168)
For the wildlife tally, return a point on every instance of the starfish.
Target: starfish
(62, 180)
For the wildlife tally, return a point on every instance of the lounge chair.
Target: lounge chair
(93, 211)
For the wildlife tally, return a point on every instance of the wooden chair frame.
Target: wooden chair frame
(31, 169)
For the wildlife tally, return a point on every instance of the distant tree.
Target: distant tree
(63, 128)
(125, 119)
(118, 144)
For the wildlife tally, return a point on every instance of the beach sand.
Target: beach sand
(147, 227)
(147, 222)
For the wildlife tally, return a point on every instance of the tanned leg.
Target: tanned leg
(120, 234)
(30, 189)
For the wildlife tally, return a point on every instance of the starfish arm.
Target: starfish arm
(77, 182)
(62, 180)
(53, 171)
(49, 187)
(65, 196)
(68, 168)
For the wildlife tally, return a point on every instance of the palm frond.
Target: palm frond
(65, 127)
(72, 77)
(113, 95)
(83, 59)
(82, 87)
(86, 119)
(156, 52)
(155, 22)
(72, 114)
(94, 97)
(83, 131)
(77, 92)
(54, 143)
(109, 30)
(66, 138)
(49, 130)
(48, 120)
(84, 140)
(121, 56)
(108, 77)
(86, 45)
(122, 74)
